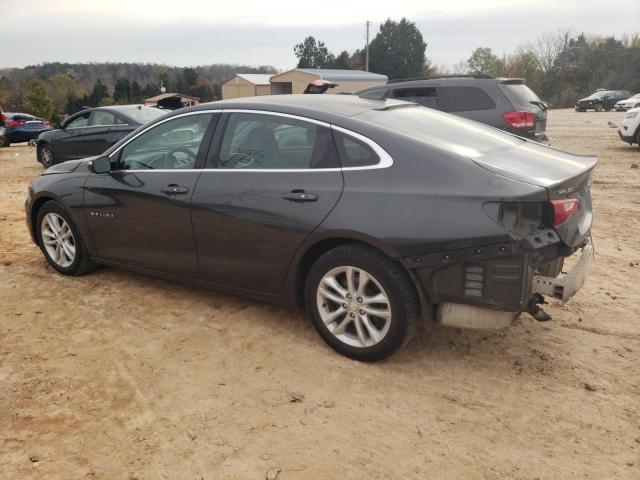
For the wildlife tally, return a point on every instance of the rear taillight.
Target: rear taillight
(520, 119)
(563, 210)
(14, 123)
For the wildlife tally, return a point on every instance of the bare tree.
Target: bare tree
(548, 48)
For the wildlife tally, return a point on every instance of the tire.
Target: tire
(45, 156)
(54, 226)
(599, 108)
(345, 328)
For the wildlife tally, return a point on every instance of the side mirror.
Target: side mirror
(100, 165)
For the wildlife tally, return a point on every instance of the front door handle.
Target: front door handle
(174, 189)
(300, 196)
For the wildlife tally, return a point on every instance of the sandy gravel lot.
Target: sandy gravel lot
(118, 376)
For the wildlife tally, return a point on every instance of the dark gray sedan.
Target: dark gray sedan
(377, 216)
(92, 131)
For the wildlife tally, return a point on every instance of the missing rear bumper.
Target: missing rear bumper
(565, 286)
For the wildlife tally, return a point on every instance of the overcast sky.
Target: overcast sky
(198, 32)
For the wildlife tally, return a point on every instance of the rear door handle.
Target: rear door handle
(173, 189)
(300, 196)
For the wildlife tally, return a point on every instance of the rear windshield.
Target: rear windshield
(143, 115)
(442, 130)
(520, 93)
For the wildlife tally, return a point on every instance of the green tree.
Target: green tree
(136, 92)
(312, 54)
(398, 50)
(483, 61)
(38, 102)
(342, 61)
(122, 91)
(98, 95)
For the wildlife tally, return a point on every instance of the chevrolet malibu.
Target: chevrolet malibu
(377, 216)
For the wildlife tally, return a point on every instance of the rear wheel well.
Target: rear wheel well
(315, 252)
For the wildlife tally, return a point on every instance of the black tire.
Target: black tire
(599, 108)
(45, 156)
(401, 293)
(4, 142)
(82, 262)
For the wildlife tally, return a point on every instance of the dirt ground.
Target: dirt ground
(118, 376)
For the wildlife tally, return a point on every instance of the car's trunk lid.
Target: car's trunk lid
(564, 175)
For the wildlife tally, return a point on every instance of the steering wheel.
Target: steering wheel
(180, 162)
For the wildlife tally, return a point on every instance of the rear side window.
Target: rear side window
(519, 93)
(273, 142)
(461, 99)
(425, 96)
(353, 152)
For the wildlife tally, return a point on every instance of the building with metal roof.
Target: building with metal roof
(296, 81)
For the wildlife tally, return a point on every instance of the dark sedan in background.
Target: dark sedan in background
(90, 132)
(374, 214)
(22, 127)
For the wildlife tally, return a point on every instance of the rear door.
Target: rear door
(271, 180)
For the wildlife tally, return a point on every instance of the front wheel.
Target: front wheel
(60, 241)
(45, 156)
(361, 302)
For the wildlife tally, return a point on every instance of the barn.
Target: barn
(247, 85)
(296, 80)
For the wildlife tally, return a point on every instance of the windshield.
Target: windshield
(597, 95)
(143, 114)
(462, 136)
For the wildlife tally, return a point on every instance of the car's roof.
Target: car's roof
(320, 105)
(13, 114)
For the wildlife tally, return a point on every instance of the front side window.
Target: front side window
(170, 145)
(425, 96)
(80, 121)
(273, 142)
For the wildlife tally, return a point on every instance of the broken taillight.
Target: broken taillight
(563, 209)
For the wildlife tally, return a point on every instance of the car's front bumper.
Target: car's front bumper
(565, 285)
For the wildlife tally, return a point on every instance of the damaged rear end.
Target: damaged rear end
(486, 287)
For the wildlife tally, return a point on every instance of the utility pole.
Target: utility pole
(366, 48)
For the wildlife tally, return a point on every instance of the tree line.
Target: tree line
(53, 90)
(560, 67)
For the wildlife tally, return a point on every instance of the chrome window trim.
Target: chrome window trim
(385, 160)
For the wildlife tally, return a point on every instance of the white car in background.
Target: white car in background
(629, 128)
(628, 103)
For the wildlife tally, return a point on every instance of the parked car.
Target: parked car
(601, 100)
(504, 103)
(629, 128)
(92, 131)
(22, 127)
(627, 104)
(3, 131)
(377, 215)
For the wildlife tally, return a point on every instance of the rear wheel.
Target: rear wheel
(60, 241)
(361, 302)
(45, 156)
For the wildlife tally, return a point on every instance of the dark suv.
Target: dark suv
(601, 100)
(504, 103)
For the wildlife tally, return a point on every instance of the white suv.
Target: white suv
(629, 129)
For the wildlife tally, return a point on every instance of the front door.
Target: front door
(139, 213)
(273, 179)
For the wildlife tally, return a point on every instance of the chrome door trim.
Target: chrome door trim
(385, 160)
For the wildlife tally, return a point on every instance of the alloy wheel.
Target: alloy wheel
(57, 239)
(46, 157)
(354, 306)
